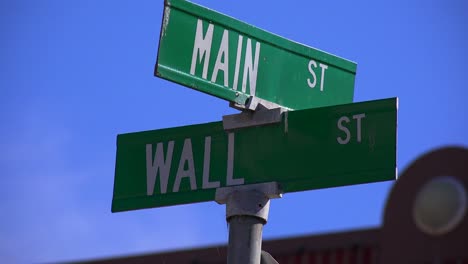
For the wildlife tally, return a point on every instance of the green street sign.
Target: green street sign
(218, 55)
(308, 149)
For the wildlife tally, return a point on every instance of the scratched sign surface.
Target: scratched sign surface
(343, 145)
(227, 58)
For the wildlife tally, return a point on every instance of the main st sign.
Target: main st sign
(307, 149)
(232, 60)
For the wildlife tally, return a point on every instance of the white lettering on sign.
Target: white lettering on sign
(202, 47)
(160, 163)
(313, 83)
(223, 53)
(343, 128)
(249, 68)
(206, 167)
(238, 58)
(230, 163)
(202, 50)
(186, 157)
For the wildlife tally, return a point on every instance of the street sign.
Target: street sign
(218, 55)
(308, 149)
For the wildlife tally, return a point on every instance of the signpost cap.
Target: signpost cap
(248, 200)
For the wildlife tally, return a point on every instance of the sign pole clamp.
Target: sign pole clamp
(257, 112)
(247, 208)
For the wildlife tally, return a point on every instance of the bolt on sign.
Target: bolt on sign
(227, 58)
(308, 149)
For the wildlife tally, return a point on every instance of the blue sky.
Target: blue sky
(74, 74)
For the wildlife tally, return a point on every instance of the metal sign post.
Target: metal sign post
(247, 208)
(268, 149)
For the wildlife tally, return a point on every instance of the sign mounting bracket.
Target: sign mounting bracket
(264, 113)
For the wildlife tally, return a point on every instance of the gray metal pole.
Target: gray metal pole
(247, 208)
(245, 239)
